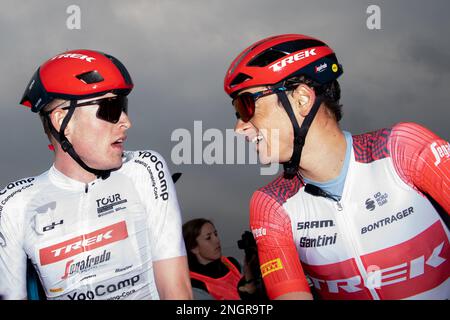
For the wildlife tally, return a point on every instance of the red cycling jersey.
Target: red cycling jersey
(383, 239)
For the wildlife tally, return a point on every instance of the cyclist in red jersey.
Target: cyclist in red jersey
(354, 217)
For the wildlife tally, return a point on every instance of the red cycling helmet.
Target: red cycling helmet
(274, 60)
(76, 75)
(278, 58)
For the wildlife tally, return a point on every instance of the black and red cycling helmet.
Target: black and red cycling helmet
(278, 58)
(76, 75)
(274, 60)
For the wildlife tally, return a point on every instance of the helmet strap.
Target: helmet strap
(68, 147)
(300, 132)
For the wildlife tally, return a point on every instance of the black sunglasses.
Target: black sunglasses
(109, 109)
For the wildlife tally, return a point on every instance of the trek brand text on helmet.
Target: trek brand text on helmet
(77, 75)
(272, 62)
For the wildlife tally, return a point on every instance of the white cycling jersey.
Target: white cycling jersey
(90, 241)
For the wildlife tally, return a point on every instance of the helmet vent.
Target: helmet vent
(276, 52)
(265, 58)
(241, 77)
(90, 77)
(297, 45)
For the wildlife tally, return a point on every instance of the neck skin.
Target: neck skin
(69, 167)
(324, 152)
(202, 260)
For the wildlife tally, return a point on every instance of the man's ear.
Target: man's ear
(57, 117)
(304, 97)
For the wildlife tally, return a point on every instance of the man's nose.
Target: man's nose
(125, 121)
(246, 129)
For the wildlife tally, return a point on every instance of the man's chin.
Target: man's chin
(117, 166)
(112, 166)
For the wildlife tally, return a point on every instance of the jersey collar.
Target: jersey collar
(62, 181)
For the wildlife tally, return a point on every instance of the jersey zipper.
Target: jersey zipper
(349, 234)
(351, 239)
(84, 207)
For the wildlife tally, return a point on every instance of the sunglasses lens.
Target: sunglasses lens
(111, 109)
(245, 106)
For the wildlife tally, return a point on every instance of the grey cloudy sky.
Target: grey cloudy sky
(177, 53)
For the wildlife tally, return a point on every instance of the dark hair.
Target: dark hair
(330, 92)
(191, 230)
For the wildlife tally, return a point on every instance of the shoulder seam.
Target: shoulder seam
(372, 146)
(281, 189)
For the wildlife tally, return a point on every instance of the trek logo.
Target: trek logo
(52, 226)
(440, 152)
(108, 203)
(74, 56)
(320, 68)
(101, 289)
(84, 265)
(387, 276)
(277, 66)
(397, 272)
(83, 243)
(315, 224)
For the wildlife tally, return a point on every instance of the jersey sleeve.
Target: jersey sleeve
(279, 262)
(422, 159)
(13, 259)
(164, 212)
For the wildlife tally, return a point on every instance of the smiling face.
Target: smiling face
(270, 128)
(208, 247)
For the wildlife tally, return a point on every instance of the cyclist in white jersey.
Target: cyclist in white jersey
(101, 223)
